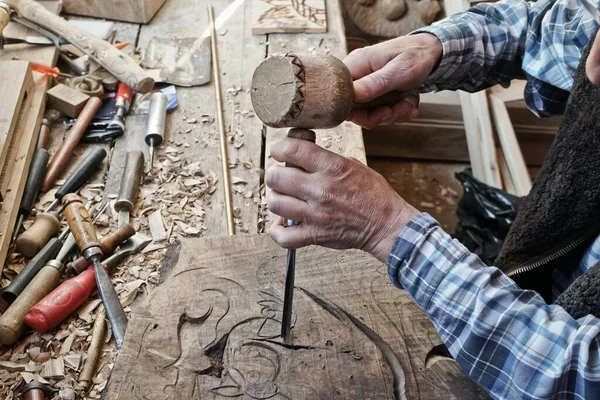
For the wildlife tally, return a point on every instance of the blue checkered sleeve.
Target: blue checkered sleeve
(508, 340)
(493, 43)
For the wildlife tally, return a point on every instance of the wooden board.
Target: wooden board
(16, 92)
(139, 11)
(199, 140)
(9, 211)
(288, 16)
(211, 330)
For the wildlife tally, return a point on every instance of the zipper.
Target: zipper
(559, 253)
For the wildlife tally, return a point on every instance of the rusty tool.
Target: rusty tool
(303, 93)
(84, 233)
(157, 118)
(130, 185)
(72, 293)
(116, 62)
(72, 139)
(93, 353)
(122, 103)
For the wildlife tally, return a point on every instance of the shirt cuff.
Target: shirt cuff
(422, 256)
(457, 40)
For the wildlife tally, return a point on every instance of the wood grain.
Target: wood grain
(211, 330)
(26, 147)
(16, 91)
(138, 11)
(288, 16)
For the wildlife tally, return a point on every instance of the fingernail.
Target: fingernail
(414, 114)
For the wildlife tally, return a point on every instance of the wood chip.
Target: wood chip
(54, 369)
(66, 347)
(134, 285)
(19, 367)
(73, 361)
(191, 182)
(190, 230)
(157, 227)
(27, 376)
(427, 204)
(85, 311)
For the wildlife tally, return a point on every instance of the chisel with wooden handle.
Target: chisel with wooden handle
(114, 61)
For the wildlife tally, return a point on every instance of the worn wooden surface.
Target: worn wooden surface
(288, 16)
(211, 330)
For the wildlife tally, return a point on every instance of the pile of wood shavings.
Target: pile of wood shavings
(171, 205)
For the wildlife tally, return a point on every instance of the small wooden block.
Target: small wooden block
(67, 100)
(295, 16)
(138, 11)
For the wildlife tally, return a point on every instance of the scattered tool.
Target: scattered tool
(130, 185)
(36, 390)
(48, 252)
(89, 164)
(120, 65)
(12, 322)
(67, 100)
(72, 293)
(93, 353)
(64, 152)
(50, 117)
(44, 227)
(307, 92)
(222, 138)
(84, 233)
(37, 171)
(157, 117)
(122, 102)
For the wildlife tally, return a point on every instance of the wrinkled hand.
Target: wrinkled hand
(398, 64)
(340, 202)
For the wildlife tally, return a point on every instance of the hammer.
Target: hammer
(305, 92)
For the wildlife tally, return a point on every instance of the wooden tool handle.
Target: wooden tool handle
(12, 322)
(108, 244)
(4, 18)
(114, 61)
(65, 151)
(390, 99)
(44, 228)
(85, 378)
(130, 181)
(79, 221)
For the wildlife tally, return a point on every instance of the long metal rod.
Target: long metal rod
(222, 138)
(288, 297)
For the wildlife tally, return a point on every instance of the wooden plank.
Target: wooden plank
(239, 54)
(9, 210)
(515, 92)
(507, 182)
(288, 16)
(510, 147)
(138, 11)
(211, 330)
(16, 91)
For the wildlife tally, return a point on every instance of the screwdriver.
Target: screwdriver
(81, 174)
(84, 233)
(37, 171)
(130, 185)
(157, 116)
(69, 295)
(71, 140)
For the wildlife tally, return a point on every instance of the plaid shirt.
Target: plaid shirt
(493, 43)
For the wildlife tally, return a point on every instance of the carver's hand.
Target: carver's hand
(340, 202)
(398, 64)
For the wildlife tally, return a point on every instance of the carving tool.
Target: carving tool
(50, 117)
(122, 102)
(65, 151)
(48, 252)
(222, 138)
(36, 390)
(306, 92)
(84, 233)
(12, 322)
(130, 185)
(37, 171)
(119, 64)
(89, 164)
(72, 293)
(93, 353)
(157, 117)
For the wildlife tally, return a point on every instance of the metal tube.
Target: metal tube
(222, 138)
